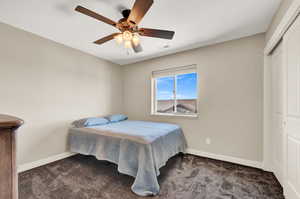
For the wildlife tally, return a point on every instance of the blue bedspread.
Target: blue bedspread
(139, 148)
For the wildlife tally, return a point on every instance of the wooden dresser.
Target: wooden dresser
(8, 167)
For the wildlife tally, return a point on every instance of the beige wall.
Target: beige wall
(49, 85)
(278, 17)
(231, 82)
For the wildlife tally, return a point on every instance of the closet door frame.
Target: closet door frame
(278, 112)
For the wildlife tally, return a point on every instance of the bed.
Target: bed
(139, 148)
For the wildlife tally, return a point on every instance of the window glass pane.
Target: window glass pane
(186, 93)
(165, 95)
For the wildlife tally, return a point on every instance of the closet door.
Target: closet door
(278, 136)
(292, 54)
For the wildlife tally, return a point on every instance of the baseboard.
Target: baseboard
(38, 163)
(250, 163)
(240, 161)
(267, 167)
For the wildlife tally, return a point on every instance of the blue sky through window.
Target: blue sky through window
(165, 87)
(186, 87)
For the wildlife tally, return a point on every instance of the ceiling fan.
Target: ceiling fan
(128, 26)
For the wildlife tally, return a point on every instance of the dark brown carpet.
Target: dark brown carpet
(184, 177)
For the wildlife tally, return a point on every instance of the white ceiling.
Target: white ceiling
(196, 22)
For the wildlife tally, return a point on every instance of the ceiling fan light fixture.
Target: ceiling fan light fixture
(127, 35)
(135, 40)
(127, 44)
(119, 39)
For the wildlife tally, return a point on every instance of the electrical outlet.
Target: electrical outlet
(207, 141)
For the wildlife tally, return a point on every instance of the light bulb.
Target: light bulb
(127, 35)
(135, 40)
(127, 44)
(119, 38)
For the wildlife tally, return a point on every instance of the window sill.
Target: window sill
(175, 115)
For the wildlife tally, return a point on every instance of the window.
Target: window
(174, 91)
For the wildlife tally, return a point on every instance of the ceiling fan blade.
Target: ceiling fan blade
(137, 48)
(95, 15)
(138, 11)
(163, 34)
(107, 38)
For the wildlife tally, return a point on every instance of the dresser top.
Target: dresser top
(9, 122)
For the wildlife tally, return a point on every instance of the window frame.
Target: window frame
(154, 90)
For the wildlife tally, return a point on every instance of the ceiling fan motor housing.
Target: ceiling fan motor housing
(123, 24)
